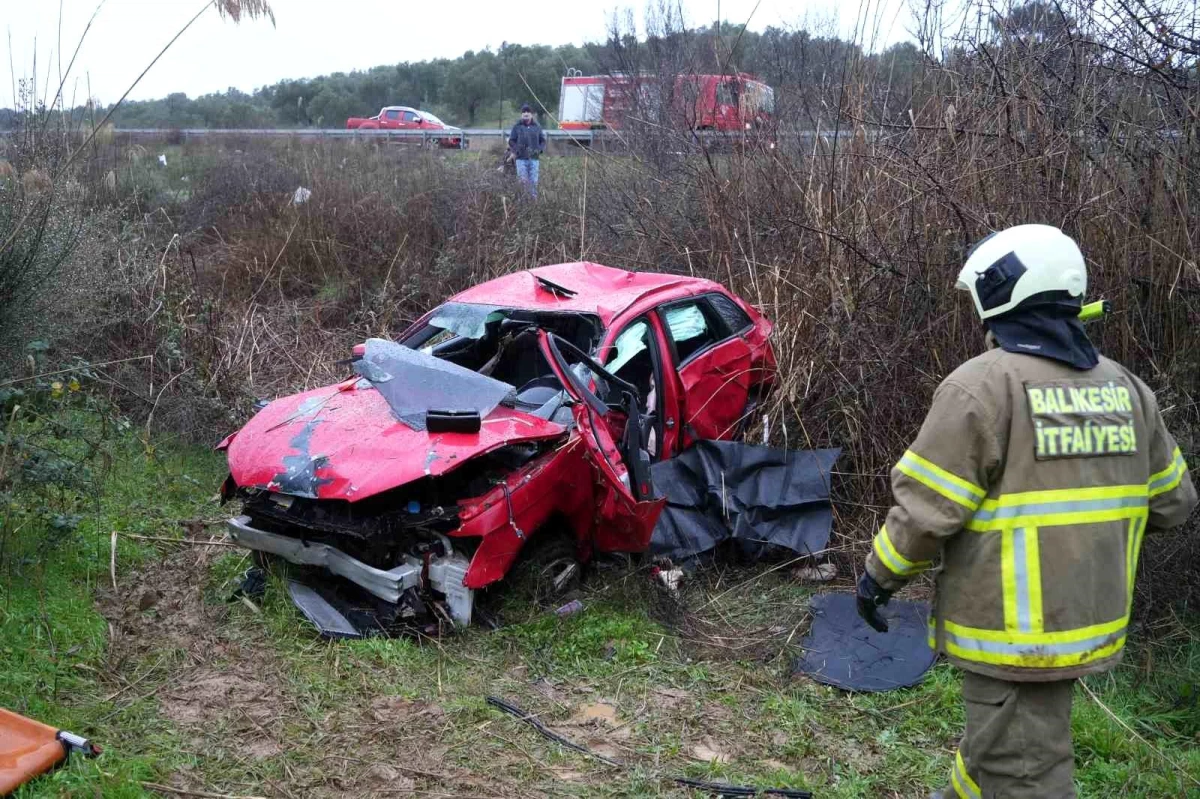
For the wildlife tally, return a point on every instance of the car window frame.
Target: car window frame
(715, 321)
(656, 356)
(388, 115)
(749, 320)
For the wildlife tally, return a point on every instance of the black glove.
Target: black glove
(871, 596)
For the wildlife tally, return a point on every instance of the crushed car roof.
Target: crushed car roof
(581, 287)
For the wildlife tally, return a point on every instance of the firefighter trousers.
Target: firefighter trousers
(1018, 741)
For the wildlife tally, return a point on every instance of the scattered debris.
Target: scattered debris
(821, 573)
(569, 609)
(301, 195)
(669, 577)
(162, 160)
(842, 650)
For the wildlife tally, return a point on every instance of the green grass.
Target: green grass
(296, 716)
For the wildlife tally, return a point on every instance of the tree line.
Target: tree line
(486, 87)
(814, 73)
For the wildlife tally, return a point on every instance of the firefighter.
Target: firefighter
(1037, 472)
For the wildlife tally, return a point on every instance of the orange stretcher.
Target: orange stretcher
(29, 748)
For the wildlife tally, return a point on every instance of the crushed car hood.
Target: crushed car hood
(344, 442)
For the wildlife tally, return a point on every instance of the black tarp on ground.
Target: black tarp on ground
(757, 496)
(843, 651)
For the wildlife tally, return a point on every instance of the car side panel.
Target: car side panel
(559, 483)
(716, 384)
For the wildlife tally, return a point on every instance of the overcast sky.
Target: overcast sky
(315, 37)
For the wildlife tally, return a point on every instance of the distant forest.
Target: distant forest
(485, 88)
(815, 74)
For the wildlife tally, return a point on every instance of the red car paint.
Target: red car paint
(401, 117)
(360, 450)
(365, 451)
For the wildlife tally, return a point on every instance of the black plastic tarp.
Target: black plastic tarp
(844, 651)
(414, 383)
(759, 497)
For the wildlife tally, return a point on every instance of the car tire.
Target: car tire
(550, 564)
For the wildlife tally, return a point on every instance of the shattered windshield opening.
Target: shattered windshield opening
(416, 384)
(498, 341)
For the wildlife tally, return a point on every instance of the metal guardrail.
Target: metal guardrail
(588, 137)
(467, 134)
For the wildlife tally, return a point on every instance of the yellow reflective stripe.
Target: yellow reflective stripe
(1060, 507)
(1021, 580)
(1065, 495)
(934, 477)
(1034, 658)
(1169, 478)
(1035, 639)
(1033, 580)
(1176, 457)
(964, 786)
(1133, 546)
(1008, 580)
(896, 563)
(1035, 650)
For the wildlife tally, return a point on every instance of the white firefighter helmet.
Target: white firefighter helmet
(1011, 266)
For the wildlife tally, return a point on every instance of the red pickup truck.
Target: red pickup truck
(401, 117)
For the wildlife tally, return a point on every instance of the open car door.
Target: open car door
(627, 509)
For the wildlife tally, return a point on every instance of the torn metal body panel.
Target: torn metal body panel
(537, 399)
(443, 573)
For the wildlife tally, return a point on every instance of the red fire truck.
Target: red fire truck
(699, 102)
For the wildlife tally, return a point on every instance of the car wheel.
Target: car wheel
(551, 566)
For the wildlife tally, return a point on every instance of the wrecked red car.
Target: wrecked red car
(535, 401)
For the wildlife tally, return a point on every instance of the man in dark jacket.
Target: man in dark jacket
(527, 141)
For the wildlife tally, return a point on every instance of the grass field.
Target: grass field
(199, 696)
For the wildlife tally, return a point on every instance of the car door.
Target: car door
(391, 119)
(635, 355)
(626, 511)
(715, 368)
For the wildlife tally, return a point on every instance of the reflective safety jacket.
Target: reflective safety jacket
(1035, 482)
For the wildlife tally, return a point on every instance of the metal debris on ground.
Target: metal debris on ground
(820, 573)
(569, 609)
